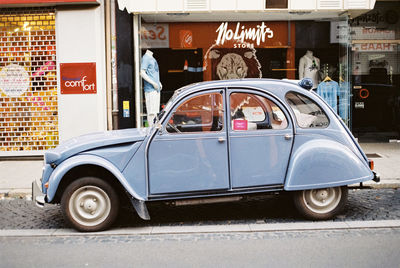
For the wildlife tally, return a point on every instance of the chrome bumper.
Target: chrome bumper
(37, 195)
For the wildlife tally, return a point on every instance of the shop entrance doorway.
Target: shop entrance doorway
(376, 111)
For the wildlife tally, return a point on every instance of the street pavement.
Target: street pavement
(261, 233)
(366, 205)
(382, 203)
(313, 248)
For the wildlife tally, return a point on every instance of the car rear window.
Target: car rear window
(308, 113)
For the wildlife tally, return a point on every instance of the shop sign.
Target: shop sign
(154, 35)
(241, 34)
(78, 78)
(370, 33)
(14, 80)
(255, 114)
(378, 17)
(374, 47)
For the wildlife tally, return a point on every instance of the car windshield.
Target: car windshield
(166, 107)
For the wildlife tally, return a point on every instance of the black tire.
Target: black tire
(320, 204)
(89, 204)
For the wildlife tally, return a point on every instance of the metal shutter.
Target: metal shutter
(28, 80)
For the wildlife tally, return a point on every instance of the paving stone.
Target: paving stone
(363, 205)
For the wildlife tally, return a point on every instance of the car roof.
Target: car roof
(279, 87)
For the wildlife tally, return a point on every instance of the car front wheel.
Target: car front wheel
(90, 204)
(321, 204)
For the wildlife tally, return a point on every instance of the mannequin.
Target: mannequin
(151, 85)
(308, 67)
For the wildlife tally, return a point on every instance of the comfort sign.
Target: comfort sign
(78, 78)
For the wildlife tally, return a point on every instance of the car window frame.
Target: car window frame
(183, 99)
(262, 93)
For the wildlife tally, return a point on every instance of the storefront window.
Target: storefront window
(322, 55)
(375, 73)
(189, 52)
(28, 80)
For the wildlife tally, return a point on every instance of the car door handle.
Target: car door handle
(288, 137)
(221, 139)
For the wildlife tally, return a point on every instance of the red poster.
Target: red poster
(240, 124)
(78, 78)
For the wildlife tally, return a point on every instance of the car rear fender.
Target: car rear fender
(61, 170)
(321, 163)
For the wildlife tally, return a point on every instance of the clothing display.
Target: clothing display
(152, 105)
(151, 85)
(329, 91)
(150, 72)
(308, 67)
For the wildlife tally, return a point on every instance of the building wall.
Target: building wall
(80, 39)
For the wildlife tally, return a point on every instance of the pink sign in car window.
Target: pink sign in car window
(239, 124)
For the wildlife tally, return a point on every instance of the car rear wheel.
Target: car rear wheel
(90, 204)
(321, 204)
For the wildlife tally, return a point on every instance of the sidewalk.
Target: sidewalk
(16, 176)
(210, 229)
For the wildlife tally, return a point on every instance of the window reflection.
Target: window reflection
(308, 113)
(198, 114)
(254, 112)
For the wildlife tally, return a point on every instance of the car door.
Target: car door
(260, 139)
(190, 152)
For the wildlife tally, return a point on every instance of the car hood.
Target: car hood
(91, 141)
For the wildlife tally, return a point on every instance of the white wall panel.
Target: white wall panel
(80, 38)
(329, 4)
(356, 4)
(221, 5)
(250, 4)
(302, 4)
(170, 5)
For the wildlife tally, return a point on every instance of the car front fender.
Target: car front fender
(322, 163)
(80, 160)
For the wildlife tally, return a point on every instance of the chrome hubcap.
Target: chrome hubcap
(89, 205)
(322, 200)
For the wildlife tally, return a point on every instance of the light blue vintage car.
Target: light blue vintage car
(213, 142)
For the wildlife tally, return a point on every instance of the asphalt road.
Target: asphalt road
(381, 204)
(325, 248)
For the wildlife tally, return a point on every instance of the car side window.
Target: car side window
(201, 113)
(308, 113)
(254, 112)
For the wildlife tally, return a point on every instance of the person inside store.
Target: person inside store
(308, 67)
(151, 85)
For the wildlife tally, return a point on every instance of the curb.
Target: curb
(239, 228)
(16, 194)
(383, 184)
